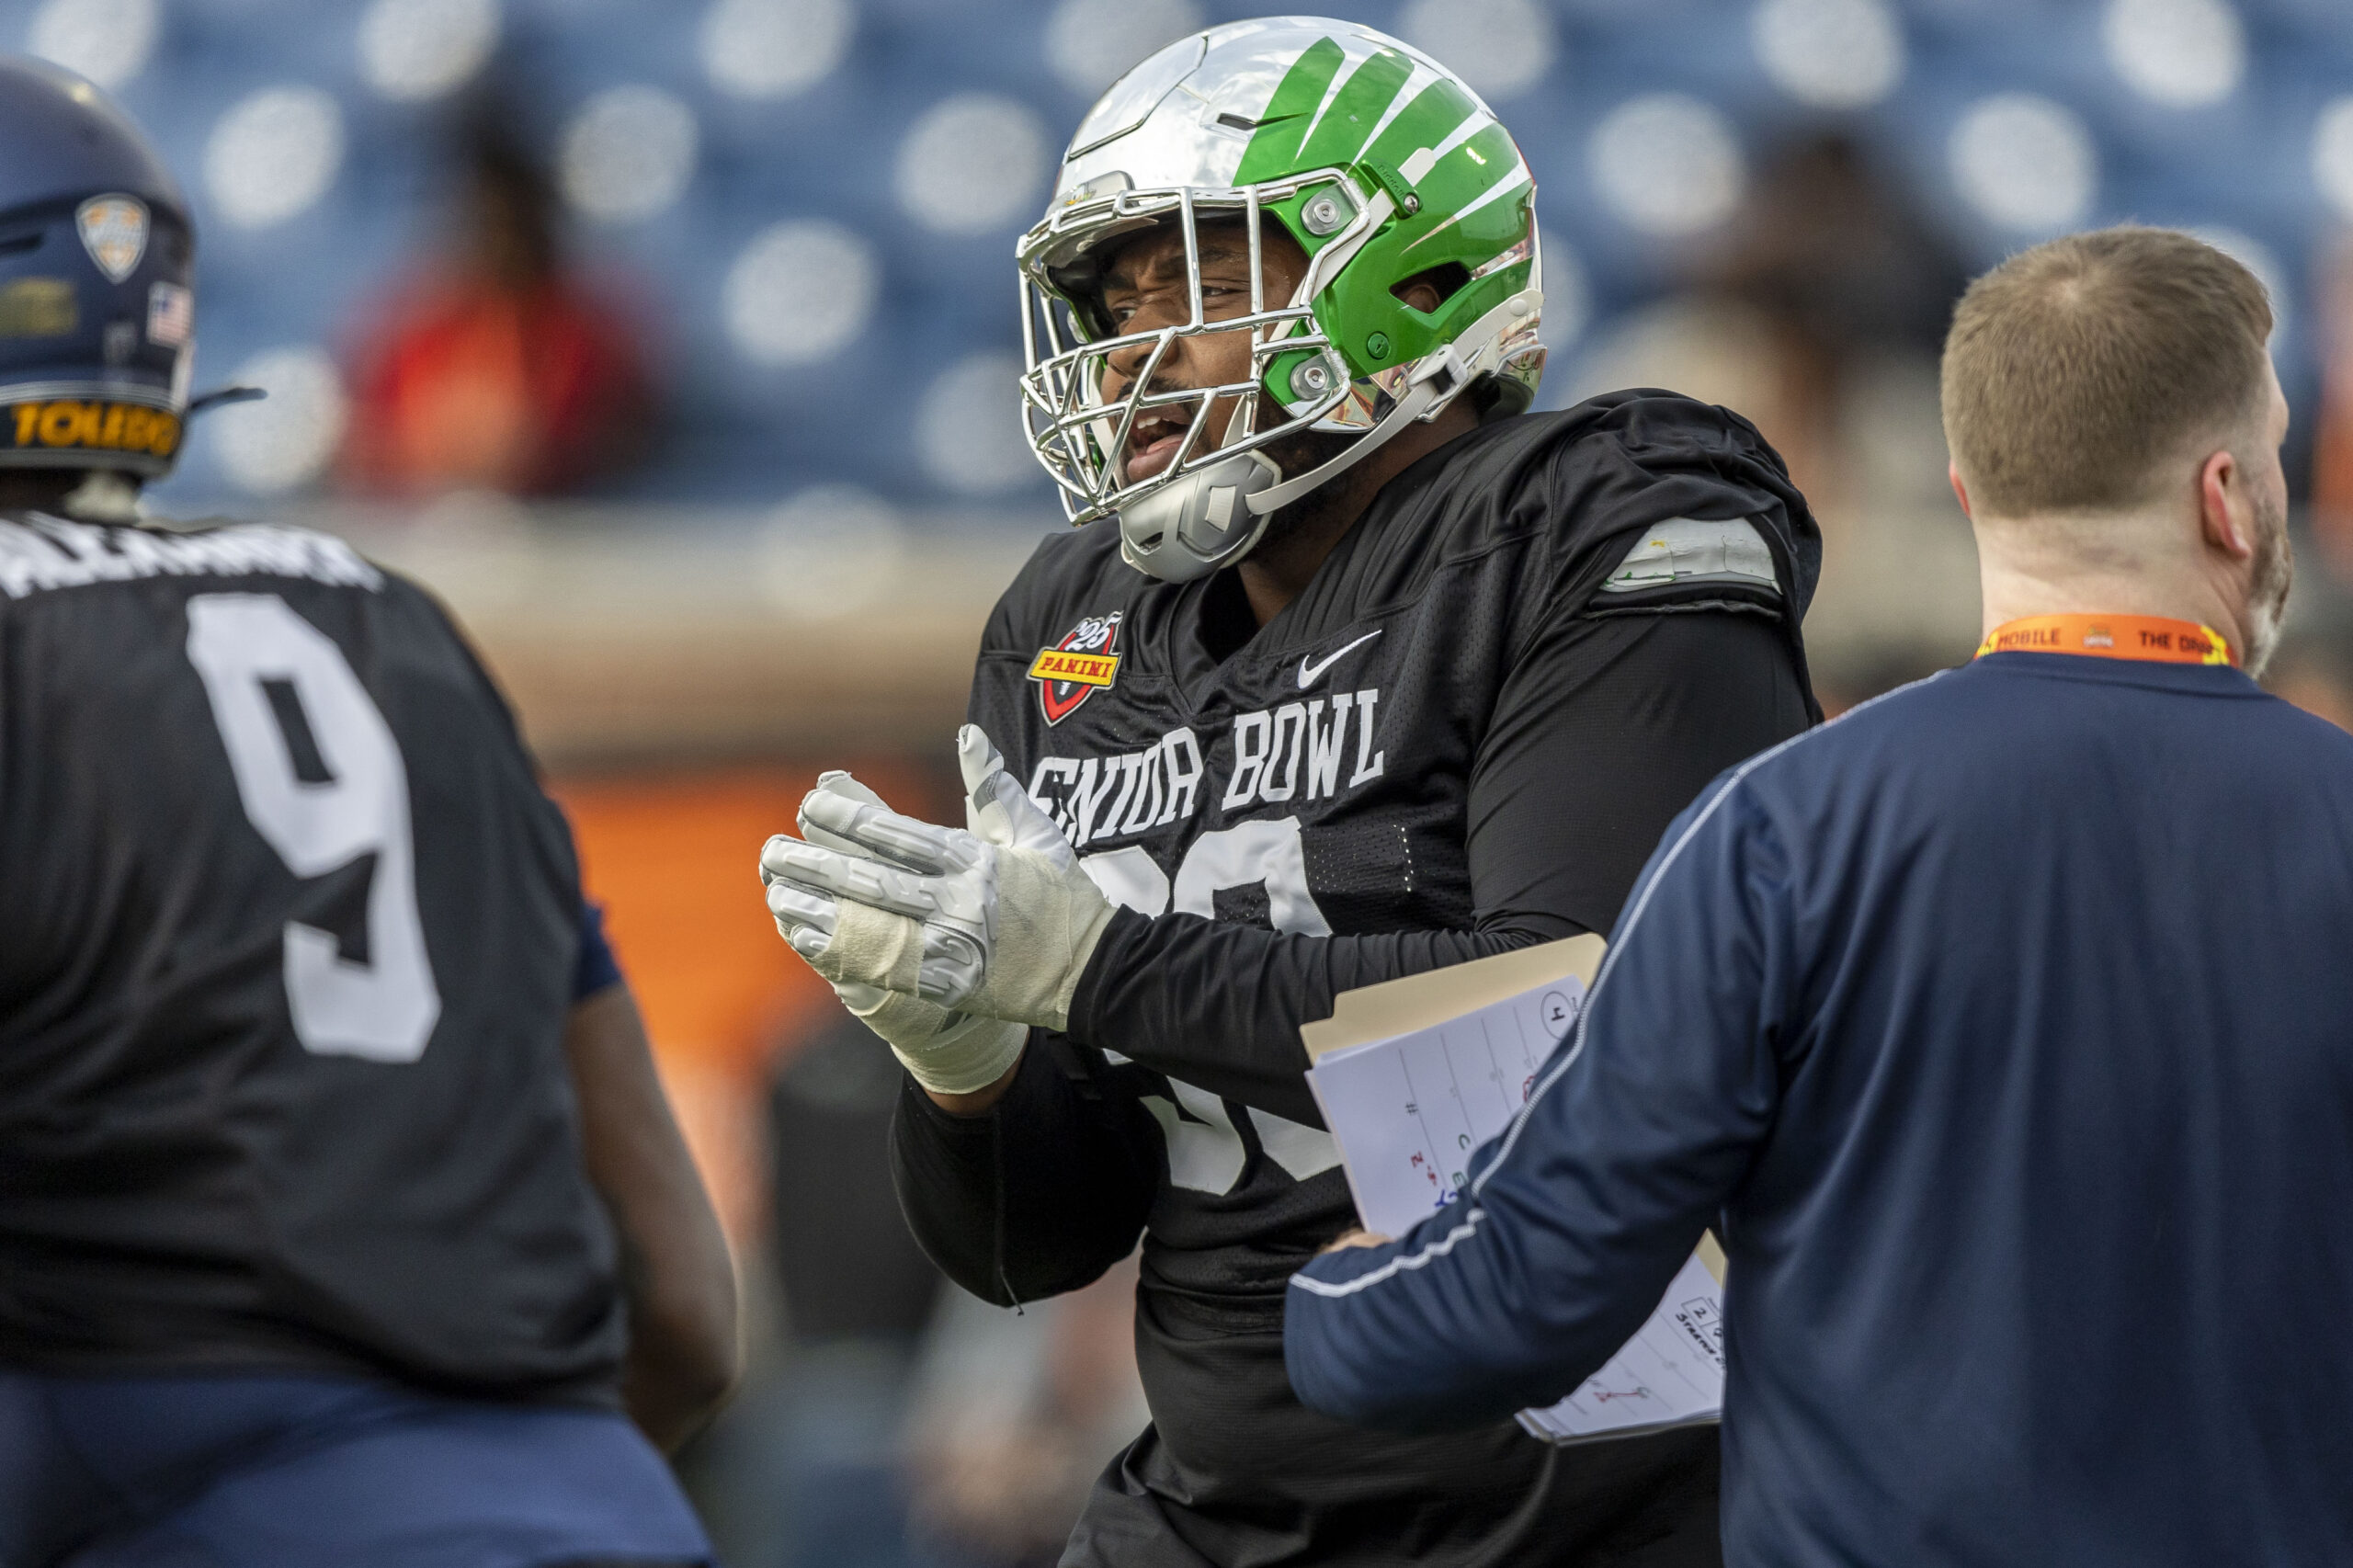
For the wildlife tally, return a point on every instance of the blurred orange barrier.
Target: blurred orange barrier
(673, 857)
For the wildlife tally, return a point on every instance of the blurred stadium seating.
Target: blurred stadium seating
(814, 203)
(820, 195)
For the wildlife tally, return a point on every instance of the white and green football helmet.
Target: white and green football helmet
(1384, 167)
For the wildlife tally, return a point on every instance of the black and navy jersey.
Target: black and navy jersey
(289, 939)
(1464, 735)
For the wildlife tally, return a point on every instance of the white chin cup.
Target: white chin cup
(1200, 521)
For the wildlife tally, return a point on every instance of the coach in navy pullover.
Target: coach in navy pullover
(2004, 1029)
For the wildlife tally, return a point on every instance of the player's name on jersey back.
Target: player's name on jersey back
(1413, 1074)
(40, 552)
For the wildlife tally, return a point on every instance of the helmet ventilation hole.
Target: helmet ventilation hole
(1446, 279)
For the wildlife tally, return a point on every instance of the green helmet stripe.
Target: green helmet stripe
(1361, 118)
(1274, 147)
(1477, 124)
(1469, 174)
(1518, 179)
(1358, 104)
(1436, 108)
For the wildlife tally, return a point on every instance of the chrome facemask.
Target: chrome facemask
(1195, 514)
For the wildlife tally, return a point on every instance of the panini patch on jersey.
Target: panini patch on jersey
(1074, 669)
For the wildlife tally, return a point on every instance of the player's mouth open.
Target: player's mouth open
(1153, 440)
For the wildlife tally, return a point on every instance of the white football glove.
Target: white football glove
(999, 920)
(953, 1053)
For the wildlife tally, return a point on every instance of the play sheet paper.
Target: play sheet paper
(1413, 1074)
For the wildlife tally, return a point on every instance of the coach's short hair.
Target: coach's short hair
(2075, 370)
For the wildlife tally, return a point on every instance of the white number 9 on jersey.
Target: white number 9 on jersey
(339, 792)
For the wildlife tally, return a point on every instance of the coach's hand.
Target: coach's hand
(997, 921)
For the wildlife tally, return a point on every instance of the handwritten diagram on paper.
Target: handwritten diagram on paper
(1417, 1104)
(1670, 1372)
(1409, 1110)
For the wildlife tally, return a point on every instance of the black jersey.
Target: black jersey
(287, 945)
(1465, 735)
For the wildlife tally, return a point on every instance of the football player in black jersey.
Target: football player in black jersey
(341, 1214)
(1364, 671)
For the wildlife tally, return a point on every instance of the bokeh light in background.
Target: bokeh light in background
(2333, 156)
(2180, 53)
(627, 153)
(286, 439)
(962, 422)
(2025, 163)
(1501, 47)
(773, 49)
(800, 292)
(1091, 43)
(973, 163)
(414, 50)
(1831, 54)
(106, 41)
(1668, 164)
(830, 551)
(273, 155)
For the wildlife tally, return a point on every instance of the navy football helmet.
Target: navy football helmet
(97, 316)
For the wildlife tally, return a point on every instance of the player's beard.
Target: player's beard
(1300, 454)
(2269, 576)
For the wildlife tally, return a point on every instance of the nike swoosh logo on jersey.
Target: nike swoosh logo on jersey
(1310, 674)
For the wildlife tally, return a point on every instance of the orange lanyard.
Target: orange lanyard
(2152, 637)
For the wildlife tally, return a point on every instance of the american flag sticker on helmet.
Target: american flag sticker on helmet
(171, 315)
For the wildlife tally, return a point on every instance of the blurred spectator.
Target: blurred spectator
(805, 1471)
(1818, 313)
(888, 1421)
(493, 365)
(1016, 1415)
(844, 1260)
(1842, 273)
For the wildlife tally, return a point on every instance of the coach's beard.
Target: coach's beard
(2269, 576)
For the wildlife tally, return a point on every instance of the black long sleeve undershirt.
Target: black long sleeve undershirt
(1608, 727)
(1038, 1197)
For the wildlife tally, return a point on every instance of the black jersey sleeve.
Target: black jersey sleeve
(1038, 1197)
(1609, 727)
(1641, 711)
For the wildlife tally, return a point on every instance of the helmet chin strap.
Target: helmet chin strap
(1187, 527)
(1417, 398)
(1172, 514)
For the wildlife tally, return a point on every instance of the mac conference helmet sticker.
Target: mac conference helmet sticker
(1072, 670)
(114, 231)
